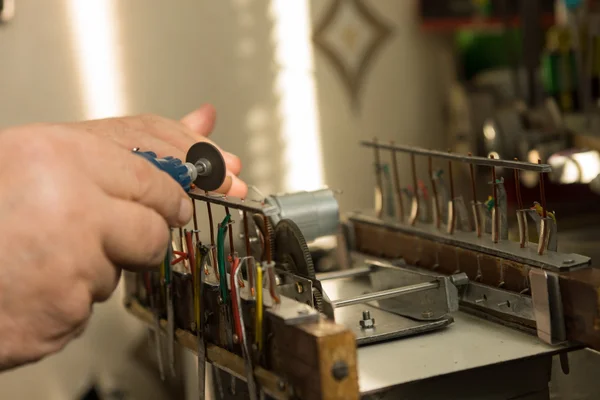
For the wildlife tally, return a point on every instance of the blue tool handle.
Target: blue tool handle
(172, 166)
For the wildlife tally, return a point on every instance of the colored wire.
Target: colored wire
(259, 308)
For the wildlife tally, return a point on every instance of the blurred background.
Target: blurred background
(297, 84)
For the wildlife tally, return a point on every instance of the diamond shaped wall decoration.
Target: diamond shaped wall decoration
(350, 35)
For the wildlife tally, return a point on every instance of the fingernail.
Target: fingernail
(185, 211)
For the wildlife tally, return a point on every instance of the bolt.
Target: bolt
(299, 288)
(340, 370)
(427, 314)
(504, 304)
(569, 261)
(366, 321)
(235, 338)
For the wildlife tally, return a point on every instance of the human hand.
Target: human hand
(167, 137)
(75, 209)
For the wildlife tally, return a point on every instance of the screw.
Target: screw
(427, 314)
(235, 338)
(299, 288)
(193, 326)
(569, 261)
(340, 370)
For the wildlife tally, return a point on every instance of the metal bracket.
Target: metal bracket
(547, 304)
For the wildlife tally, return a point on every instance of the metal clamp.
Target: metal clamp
(547, 305)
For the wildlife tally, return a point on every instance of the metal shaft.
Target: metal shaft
(387, 294)
(352, 272)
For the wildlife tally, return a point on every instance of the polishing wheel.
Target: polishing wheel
(210, 165)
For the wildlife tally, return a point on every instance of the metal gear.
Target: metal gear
(291, 250)
(317, 299)
(264, 232)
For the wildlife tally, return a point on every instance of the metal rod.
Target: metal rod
(253, 206)
(521, 165)
(379, 183)
(196, 231)
(387, 294)
(231, 249)
(495, 198)
(250, 268)
(452, 220)
(542, 193)
(181, 239)
(397, 186)
(348, 273)
(415, 209)
(436, 203)
(474, 194)
(212, 239)
(518, 189)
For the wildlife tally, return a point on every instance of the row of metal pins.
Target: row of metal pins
(451, 221)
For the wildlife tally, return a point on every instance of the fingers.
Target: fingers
(201, 121)
(127, 176)
(134, 237)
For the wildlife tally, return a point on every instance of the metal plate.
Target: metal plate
(387, 325)
(207, 151)
(505, 249)
(499, 301)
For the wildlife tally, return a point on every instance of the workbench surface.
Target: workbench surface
(470, 342)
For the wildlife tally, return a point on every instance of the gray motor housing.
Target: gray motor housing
(316, 213)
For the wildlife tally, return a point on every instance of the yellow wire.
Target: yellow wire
(259, 308)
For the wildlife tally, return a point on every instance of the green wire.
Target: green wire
(221, 257)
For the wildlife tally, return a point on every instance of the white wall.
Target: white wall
(173, 56)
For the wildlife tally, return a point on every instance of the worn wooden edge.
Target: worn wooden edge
(580, 289)
(307, 354)
(223, 359)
